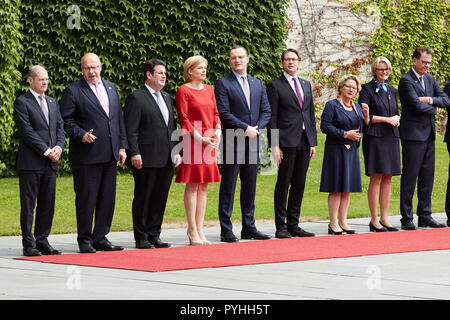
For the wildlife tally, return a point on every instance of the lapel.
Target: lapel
(237, 86)
(51, 109)
(37, 107)
(86, 89)
(288, 88)
(417, 83)
(379, 100)
(154, 104)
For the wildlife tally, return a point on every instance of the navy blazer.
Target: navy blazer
(35, 135)
(379, 107)
(147, 133)
(81, 112)
(335, 120)
(286, 114)
(233, 110)
(447, 132)
(417, 122)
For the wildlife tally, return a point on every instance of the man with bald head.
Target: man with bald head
(92, 114)
(41, 142)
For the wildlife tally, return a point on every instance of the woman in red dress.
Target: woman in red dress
(201, 130)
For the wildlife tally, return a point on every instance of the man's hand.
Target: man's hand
(89, 137)
(122, 156)
(277, 154)
(176, 160)
(312, 152)
(425, 99)
(252, 132)
(136, 161)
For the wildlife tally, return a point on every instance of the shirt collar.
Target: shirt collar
(417, 75)
(238, 76)
(35, 94)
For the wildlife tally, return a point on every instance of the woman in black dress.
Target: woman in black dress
(342, 121)
(380, 143)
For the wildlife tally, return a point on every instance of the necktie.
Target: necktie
(43, 107)
(421, 82)
(162, 107)
(246, 90)
(297, 91)
(101, 98)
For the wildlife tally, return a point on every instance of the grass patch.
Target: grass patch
(314, 203)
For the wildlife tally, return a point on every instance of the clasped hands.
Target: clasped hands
(55, 154)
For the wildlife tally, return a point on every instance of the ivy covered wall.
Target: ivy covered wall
(126, 33)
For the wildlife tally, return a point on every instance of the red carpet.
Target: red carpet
(259, 252)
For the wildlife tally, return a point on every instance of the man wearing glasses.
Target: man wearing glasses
(293, 140)
(92, 114)
(420, 96)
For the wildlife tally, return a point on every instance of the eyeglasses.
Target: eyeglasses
(350, 87)
(426, 63)
(90, 68)
(291, 59)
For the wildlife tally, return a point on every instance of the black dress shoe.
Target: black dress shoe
(299, 232)
(48, 250)
(254, 234)
(86, 248)
(106, 246)
(31, 252)
(156, 241)
(409, 225)
(282, 234)
(430, 223)
(143, 244)
(228, 237)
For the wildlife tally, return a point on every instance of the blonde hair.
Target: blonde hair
(190, 63)
(377, 61)
(345, 79)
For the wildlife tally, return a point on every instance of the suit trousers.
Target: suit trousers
(95, 191)
(418, 165)
(37, 188)
(291, 179)
(447, 198)
(151, 188)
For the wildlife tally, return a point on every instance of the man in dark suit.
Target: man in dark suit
(41, 142)
(150, 122)
(93, 119)
(420, 95)
(447, 140)
(244, 110)
(293, 140)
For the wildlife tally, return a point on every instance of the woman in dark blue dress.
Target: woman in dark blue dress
(342, 121)
(381, 147)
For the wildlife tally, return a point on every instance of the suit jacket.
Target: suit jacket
(147, 133)
(82, 111)
(286, 114)
(234, 111)
(418, 118)
(35, 135)
(447, 132)
(379, 107)
(335, 120)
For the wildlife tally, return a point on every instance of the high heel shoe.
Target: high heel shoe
(206, 242)
(194, 242)
(348, 231)
(388, 228)
(331, 231)
(372, 228)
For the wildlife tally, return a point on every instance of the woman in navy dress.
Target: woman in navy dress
(381, 147)
(342, 121)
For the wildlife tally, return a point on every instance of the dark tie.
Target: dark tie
(246, 90)
(43, 107)
(297, 91)
(421, 82)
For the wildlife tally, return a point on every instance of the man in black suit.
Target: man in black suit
(420, 95)
(41, 142)
(244, 110)
(149, 121)
(93, 119)
(447, 140)
(293, 140)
